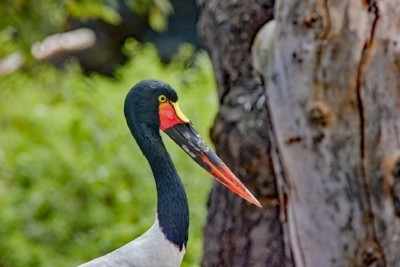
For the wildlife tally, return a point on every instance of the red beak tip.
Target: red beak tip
(256, 202)
(250, 198)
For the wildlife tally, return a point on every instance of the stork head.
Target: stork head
(155, 104)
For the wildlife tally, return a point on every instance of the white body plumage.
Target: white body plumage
(152, 249)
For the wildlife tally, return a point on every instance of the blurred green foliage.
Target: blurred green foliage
(23, 22)
(73, 183)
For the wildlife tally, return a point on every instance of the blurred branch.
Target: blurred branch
(31, 21)
(52, 46)
(62, 43)
(11, 63)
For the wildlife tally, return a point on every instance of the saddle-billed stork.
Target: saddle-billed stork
(149, 106)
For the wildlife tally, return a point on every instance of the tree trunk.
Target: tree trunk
(324, 157)
(333, 86)
(238, 233)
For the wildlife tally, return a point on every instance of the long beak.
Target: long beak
(190, 141)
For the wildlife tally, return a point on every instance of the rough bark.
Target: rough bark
(327, 148)
(236, 233)
(333, 88)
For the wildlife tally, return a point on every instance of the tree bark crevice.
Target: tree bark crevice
(371, 251)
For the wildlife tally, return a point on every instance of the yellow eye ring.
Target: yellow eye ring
(162, 98)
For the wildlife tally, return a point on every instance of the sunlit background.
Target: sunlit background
(73, 183)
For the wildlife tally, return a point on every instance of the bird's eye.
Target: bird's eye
(162, 98)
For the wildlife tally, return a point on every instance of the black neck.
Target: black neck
(172, 206)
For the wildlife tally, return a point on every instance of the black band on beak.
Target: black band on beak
(191, 142)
